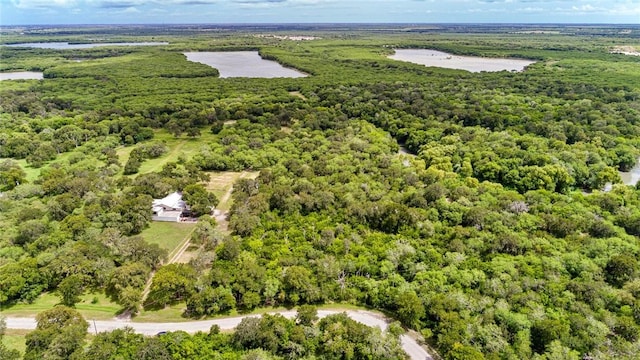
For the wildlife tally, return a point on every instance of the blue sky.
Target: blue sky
(24, 12)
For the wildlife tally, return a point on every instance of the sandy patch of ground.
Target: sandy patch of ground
(297, 94)
(21, 75)
(626, 50)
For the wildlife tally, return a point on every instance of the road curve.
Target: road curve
(410, 346)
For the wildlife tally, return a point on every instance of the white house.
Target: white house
(169, 208)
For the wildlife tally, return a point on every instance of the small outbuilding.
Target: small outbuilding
(170, 208)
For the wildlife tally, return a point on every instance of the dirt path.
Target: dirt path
(369, 318)
(183, 247)
(227, 196)
(174, 258)
(225, 203)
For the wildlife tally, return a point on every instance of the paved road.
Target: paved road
(410, 346)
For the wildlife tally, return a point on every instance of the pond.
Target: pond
(21, 75)
(67, 46)
(449, 61)
(632, 176)
(243, 64)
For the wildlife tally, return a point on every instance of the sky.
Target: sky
(35, 12)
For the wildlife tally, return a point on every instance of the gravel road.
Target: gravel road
(410, 346)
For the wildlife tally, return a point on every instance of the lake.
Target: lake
(21, 75)
(243, 64)
(67, 46)
(449, 61)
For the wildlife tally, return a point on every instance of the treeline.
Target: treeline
(61, 331)
(483, 240)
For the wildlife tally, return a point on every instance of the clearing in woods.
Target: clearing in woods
(177, 147)
(176, 237)
(168, 235)
(221, 184)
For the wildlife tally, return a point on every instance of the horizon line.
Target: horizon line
(336, 23)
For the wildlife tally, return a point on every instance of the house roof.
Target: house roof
(173, 201)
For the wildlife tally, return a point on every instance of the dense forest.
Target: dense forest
(468, 206)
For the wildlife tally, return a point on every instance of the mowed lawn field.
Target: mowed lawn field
(96, 306)
(15, 340)
(168, 235)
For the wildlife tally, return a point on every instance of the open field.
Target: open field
(168, 235)
(177, 147)
(102, 309)
(32, 173)
(14, 339)
(221, 184)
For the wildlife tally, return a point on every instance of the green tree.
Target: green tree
(152, 349)
(200, 201)
(307, 315)
(464, 352)
(211, 301)
(70, 289)
(11, 175)
(115, 344)
(124, 281)
(205, 233)
(410, 308)
(299, 285)
(620, 269)
(171, 283)
(545, 331)
(59, 334)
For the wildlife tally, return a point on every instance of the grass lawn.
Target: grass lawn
(168, 235)
(15, 340)
(102, 309)
(32, 173)
(124, 153)
(177, 147)
(171, 313)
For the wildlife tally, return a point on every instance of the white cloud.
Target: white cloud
(625, 10)
(586, 8)
(43, 4)
(532, 10)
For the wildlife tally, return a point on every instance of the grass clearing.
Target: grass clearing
(124, 153)
(91, 306)
(221, 184)
(32, 173)
(15, 340)
(168, 235)
(171, 313)
(177, 147)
